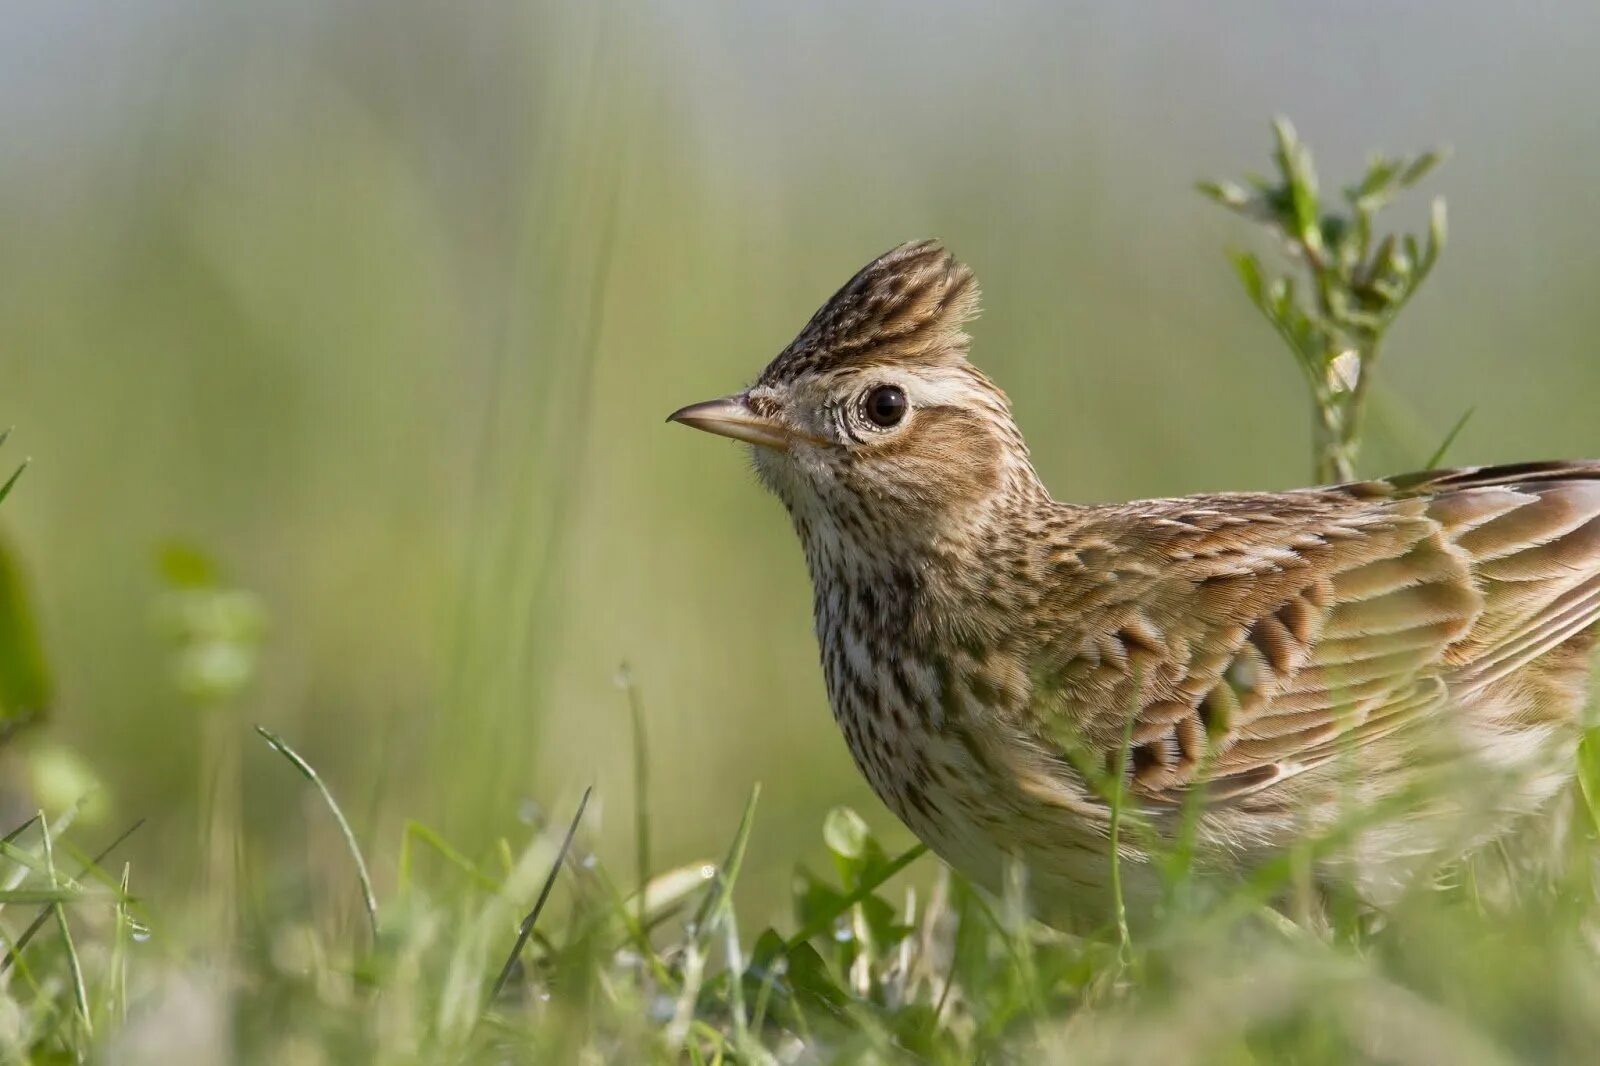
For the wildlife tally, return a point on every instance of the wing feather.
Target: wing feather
(1296, 626)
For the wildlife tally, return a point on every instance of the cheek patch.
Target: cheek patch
(945, 455)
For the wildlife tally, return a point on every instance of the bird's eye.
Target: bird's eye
(885, 406)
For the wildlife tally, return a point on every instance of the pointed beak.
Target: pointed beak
(731, 417)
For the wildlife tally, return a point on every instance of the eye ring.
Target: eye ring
(885, 406)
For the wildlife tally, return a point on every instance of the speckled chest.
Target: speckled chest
(893, 698)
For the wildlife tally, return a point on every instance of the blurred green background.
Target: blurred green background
(382, 305)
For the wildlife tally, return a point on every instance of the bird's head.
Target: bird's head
(872, 417)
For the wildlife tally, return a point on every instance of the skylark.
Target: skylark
(1408, 655)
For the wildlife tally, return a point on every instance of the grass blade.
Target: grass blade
(705, 919)
(416, 830)
(311, 775)
(1118, 798)
(728, 872)
(641, 784)
(80, 989)
(1449, 439)
(117, 971)
(43, 895)
(44, 915)
(538, 905)
(11, 837)
(5, 490)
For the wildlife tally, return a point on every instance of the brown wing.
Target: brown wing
(1532, 533)
(1254, 636)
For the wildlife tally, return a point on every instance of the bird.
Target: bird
(1395, 666)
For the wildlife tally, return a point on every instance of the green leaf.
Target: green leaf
(1421, 166)
(845, 833)
(916, 1028)
(856, 852)
(1300, 181)
(816, 903)
(1437, 229)
(1413, 251)
(1260, 183)
(1377, 185)
(763, 977)
(25, 685)
(1359, 239)
(1384, 258)
(768, 948)
(1336, 232)
(1226, 193)
(1248, 268)
(813, 984)
(882, 928)
(1280, 298)
(824, 917)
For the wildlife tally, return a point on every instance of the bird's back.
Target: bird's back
(1298, 658)
(1279, 623)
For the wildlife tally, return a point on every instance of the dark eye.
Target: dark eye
(885, 406)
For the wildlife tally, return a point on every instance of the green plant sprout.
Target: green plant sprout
(1334, 310)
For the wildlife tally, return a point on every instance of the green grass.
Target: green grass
(871, 969)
